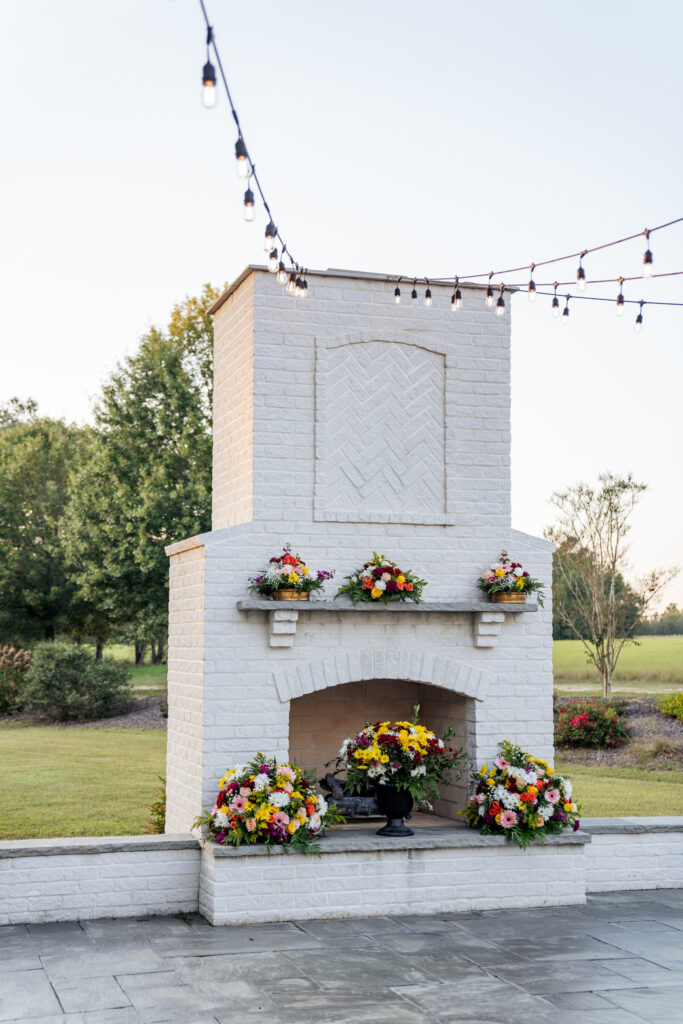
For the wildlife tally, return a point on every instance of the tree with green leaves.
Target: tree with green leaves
(590, 564)
(145, 480)
(37, 455)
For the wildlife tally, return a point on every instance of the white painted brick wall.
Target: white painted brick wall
(266, 465)
(235, 890)
(649, 860)
(111, 880)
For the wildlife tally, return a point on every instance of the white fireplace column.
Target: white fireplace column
(345, 424)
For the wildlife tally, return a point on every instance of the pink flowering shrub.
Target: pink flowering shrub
(587, 722)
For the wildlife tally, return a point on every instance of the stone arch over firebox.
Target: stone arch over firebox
(414, 666)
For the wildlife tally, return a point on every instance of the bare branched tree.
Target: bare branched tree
(590, 562)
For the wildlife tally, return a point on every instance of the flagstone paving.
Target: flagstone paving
(617, 960)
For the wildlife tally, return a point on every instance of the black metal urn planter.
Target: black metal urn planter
(396, 804)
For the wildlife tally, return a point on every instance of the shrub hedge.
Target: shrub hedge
(66, 684)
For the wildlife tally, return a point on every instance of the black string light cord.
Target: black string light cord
(295, 280)
(560, 259)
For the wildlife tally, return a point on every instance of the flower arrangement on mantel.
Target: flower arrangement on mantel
(510, 580)
(520, 797)
(402, 754)
(382, 580)
(268, 802)
(288, 577)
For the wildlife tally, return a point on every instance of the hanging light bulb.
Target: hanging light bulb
(565, 312)
(456, 299)
(249, 211)
(428, 295)
(281, 273)
(620, 299)
(489, 292)
(271, 235)
(555, 305)
(242, 158)
(304, 289)
(639, 319)
(413, 294)
(291, 283)
(209, 94)
(581, 275)
(647, 258)
(273, 262)
(531, 288)
(397, 295)
(500, 304)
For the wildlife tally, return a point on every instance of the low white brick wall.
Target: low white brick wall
(369, 877)
(634, 853)
(112, 876)
(358, 875)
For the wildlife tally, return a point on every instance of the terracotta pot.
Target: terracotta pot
(286, 594)
(511, 597)
(395, 804)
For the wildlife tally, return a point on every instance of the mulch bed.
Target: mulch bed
(145, 715)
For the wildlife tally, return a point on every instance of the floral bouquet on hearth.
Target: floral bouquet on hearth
(268, 802)
(520, 797)
(288, 574)
(381, 580)
(402, 754)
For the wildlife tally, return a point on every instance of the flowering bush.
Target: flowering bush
(509, 577)
(520, 797)
(14, 664)
(405, 754)
(587, 722)
(288, 571)
(672, 705)
(380, 580)
(267, 802)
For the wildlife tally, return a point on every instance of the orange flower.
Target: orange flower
(311, 810)
(400, 585)
(409, 586)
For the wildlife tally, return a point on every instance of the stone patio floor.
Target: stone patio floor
(617, 960)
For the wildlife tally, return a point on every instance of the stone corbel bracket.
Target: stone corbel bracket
(283, 618)
(487, 627)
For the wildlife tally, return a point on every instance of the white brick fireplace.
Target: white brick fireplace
(345, 424)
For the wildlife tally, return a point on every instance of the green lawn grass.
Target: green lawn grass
(78, 782)
(654, 666)
(629, 792)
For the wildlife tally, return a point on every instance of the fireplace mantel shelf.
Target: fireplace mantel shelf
(283, 616)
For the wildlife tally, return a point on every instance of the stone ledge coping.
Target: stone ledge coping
(251, 604)
(367, 841)
(95, 844)
(635, 826)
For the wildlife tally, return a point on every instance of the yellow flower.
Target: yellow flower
(384, 758)
(400, 579)
(296, 793)
(248, 806)
(262, 813)
(532, 789)
(521, 806)
(305, 570)
(490, 782)
(375, 593)
(483, 770)
(292, 827)
(292, 578)
(499, 572)
(498, 819)
(520, 583)
(569, 807)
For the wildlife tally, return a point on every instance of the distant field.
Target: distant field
(655, 665)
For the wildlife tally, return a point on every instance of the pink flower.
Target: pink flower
(552, 796)
(501, 763)
(508, 819)
(386, 577)
(238, 804)
(281, 819)
(245, 791)
(251, 824)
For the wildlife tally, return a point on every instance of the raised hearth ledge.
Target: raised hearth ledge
(366, 840)
(487, 618)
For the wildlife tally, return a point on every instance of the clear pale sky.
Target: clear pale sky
(393, 137)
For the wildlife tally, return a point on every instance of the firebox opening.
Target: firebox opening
(319, 722)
